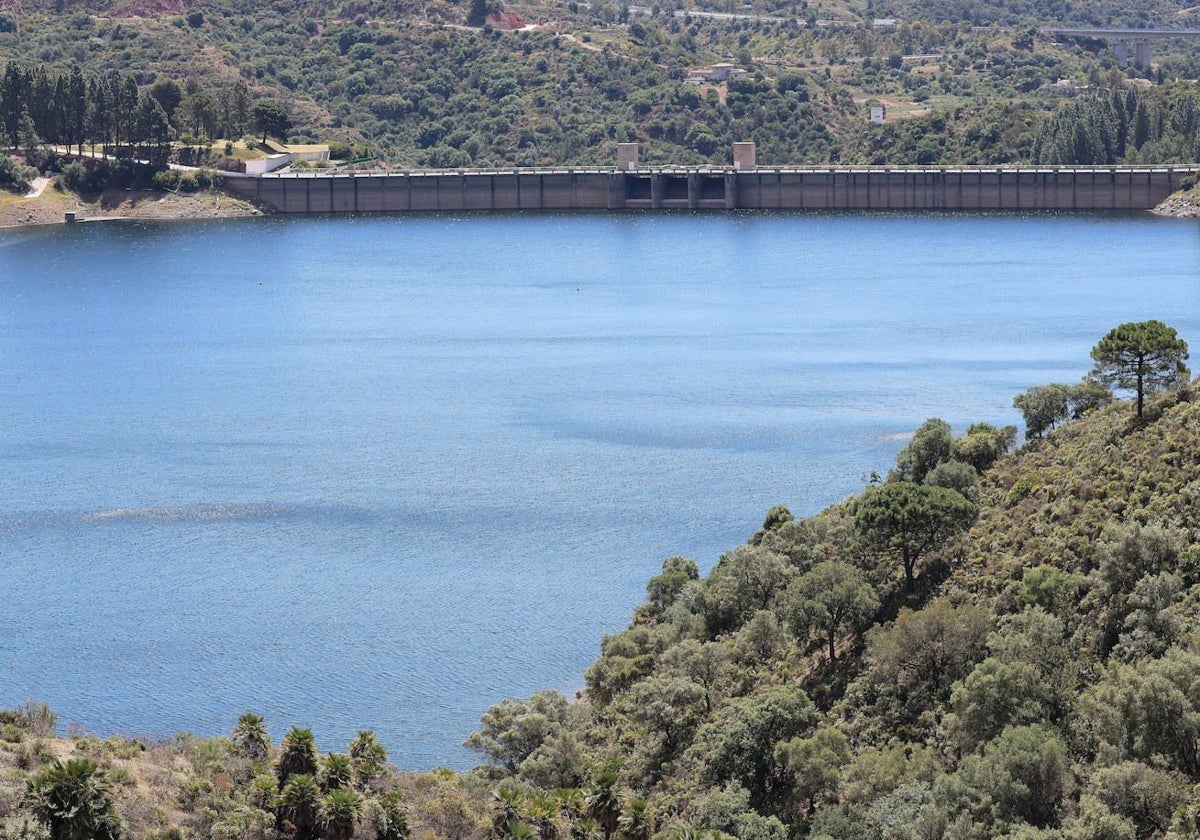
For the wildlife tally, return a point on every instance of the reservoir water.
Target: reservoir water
(384, 472)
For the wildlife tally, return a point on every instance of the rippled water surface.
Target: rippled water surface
(386, 471)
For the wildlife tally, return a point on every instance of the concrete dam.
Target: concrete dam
(1085, 189)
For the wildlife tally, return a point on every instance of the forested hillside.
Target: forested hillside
(982, 646)
(412, 84)
(985, 644)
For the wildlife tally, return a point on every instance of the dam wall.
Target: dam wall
(809, 188)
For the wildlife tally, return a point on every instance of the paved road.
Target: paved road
(73, 151)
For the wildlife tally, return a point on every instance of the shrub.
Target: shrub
(14, 175)
(166, 179)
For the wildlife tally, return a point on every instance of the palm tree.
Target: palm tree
(682, 831)
(74, 801)
(587, 829)
(572, 807)
(342, 809)
(297, 755)
(337, 773)
(546, 816)
(263, 792)
(250, 736)
(368, 756)
(604, 801)
(636, 822)
(509, 804)
(520, 831)
(300, 806)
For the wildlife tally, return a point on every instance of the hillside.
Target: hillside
(1039, 681)
(1017, 658)
(561, 83)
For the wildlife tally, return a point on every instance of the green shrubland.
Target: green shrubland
(965, 83)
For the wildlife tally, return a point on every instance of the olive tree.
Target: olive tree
(513, 729)
(1021, 776)
(832, 598)
(1043, 407)
(745, 580)
(1141, 356)
(663, 589)
(930, 446)
(983, 445)
(738, 744)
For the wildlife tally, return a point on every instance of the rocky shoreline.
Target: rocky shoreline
(1181, 206)
(52, 207)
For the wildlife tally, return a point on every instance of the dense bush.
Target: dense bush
(14, 175)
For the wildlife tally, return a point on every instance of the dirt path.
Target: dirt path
(567, 36)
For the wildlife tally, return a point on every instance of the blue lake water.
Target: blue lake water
(383, 472)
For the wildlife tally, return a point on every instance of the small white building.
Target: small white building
(261, 166)
(878, 112)
(721, 72)
(724, 71)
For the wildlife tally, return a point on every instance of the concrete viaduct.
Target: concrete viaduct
(1123, 39)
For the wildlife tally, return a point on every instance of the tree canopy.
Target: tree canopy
(1142, 356)
(271, 119)
(74, 801)
(910, 520)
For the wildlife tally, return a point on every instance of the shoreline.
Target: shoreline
(52, 205)
(1181, 205)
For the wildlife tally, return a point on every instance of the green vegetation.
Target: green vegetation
(910, 520)
(14, 175)
(84, 788)
(74, 801)
(67, 109)
(1028, 669)
(963, 82)
(1144, 357)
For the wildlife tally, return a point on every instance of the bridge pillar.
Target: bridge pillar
(1143, 53)
(616, 191)
(731, 196)
(693, 187)
(656, 190)
(1121, 50)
